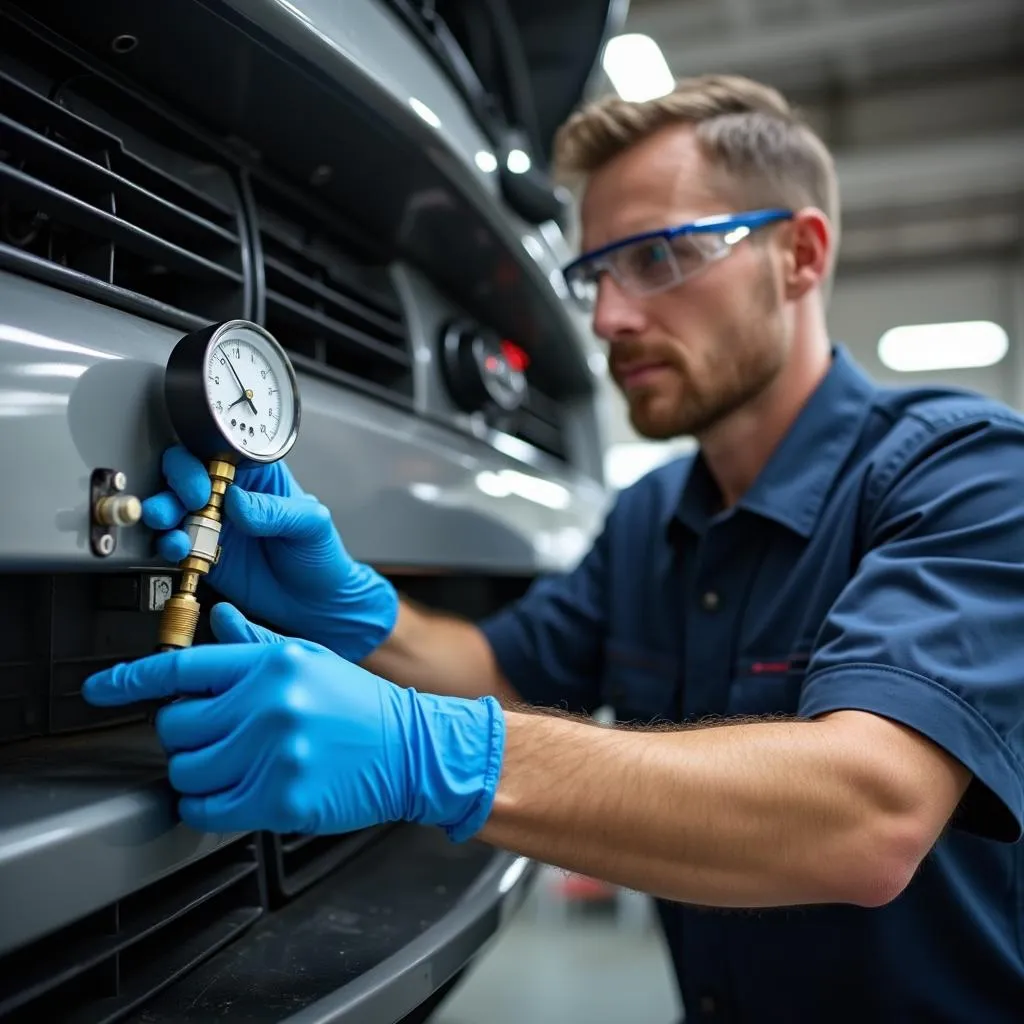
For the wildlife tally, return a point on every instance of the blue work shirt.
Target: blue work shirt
(876, 563)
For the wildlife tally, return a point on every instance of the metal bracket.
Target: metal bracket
(103, 483)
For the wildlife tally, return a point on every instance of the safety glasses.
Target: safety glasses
(658, 260)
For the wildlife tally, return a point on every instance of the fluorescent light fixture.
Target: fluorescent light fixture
(637, 67)
(970, 344)
(487, 162)
(425, 112)
(518, 162)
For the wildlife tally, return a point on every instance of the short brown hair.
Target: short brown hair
(767, 153)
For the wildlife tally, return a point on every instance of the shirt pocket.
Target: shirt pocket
(768, 685)
(639, 684)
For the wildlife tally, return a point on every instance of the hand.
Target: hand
(281, 557)
(281, 735)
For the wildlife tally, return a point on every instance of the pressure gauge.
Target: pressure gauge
(233, 400)
(232, 394)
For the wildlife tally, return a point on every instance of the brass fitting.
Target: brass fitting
(180, 615)
(118, 510)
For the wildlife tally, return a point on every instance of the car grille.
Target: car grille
(330, 299)
(100, 968)
(106, 197)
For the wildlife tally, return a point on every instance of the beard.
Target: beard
(699, 391)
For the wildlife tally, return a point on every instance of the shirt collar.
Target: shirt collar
(792, 487)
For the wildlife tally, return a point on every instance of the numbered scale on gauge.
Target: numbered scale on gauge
(233, 400)
(232, 394)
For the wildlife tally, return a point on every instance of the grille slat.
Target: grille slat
(105, 226)
(109, 963)
(333, 333)
(85, 204)
(330, 299)
(71, 170)
(389, 326)
(295, 862)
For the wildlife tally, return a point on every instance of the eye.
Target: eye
(687, 253)
(646, 257)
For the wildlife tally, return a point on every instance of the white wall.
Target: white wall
(866, 304)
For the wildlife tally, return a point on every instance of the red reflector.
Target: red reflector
(516, 358)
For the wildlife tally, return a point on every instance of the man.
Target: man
(826, 599)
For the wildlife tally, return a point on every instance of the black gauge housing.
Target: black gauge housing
(188, 403)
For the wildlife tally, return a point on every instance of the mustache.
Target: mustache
(627, 355)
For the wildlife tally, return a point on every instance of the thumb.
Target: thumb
(230, 626)
(270, 515)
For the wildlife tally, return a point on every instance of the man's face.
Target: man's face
(687, 357)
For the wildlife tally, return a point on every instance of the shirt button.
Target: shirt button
(709, 601)
(707, 1004)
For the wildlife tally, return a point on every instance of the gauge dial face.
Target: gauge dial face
(251, 392)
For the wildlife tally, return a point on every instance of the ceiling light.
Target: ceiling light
(955, 346)
(637, 67)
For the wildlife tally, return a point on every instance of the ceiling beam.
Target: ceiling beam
(771, 46)
(957, 170)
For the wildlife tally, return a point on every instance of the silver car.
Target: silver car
(367, 180)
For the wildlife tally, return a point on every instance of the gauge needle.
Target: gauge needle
(246, 397)
(246, 393)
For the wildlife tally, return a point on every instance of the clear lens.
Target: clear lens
(647, 266)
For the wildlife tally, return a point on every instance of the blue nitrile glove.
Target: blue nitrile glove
(282, 735)
(281, 557)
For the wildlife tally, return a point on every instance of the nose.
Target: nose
(617, 313)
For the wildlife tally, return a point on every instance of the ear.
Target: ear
(809, 253)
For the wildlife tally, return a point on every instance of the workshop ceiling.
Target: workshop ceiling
(822, 45)
(922, 102)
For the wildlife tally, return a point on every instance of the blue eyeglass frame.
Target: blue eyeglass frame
(716, 224)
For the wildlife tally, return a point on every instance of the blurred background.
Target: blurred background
(922, 103)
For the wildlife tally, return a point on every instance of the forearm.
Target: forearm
(761, 814)
(437, 653)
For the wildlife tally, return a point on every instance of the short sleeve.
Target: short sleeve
(930, 630)
(550, 643)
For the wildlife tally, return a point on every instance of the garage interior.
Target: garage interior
(403, 242)
(922, 103)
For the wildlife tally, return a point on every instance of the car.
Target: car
(369, 183)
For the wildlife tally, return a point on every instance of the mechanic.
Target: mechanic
(811, 628)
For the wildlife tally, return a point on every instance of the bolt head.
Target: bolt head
(120, 481)
(106, 544)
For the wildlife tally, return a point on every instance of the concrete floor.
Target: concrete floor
(570, 965)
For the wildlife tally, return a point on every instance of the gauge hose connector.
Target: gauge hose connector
(180, 615)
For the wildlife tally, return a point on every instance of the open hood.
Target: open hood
(562, 43)
(523, 65)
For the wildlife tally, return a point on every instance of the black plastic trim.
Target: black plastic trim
(367, 945)
(252, 250)
(400, 984)
(19, 262)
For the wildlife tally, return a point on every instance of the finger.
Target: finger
(209, 668)
(192, 723)
(267, 799)
(230, 626)
(162, 511)
(220, 812)
(174, 546)
(214, 768)
(187, 476)
(268, 515)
